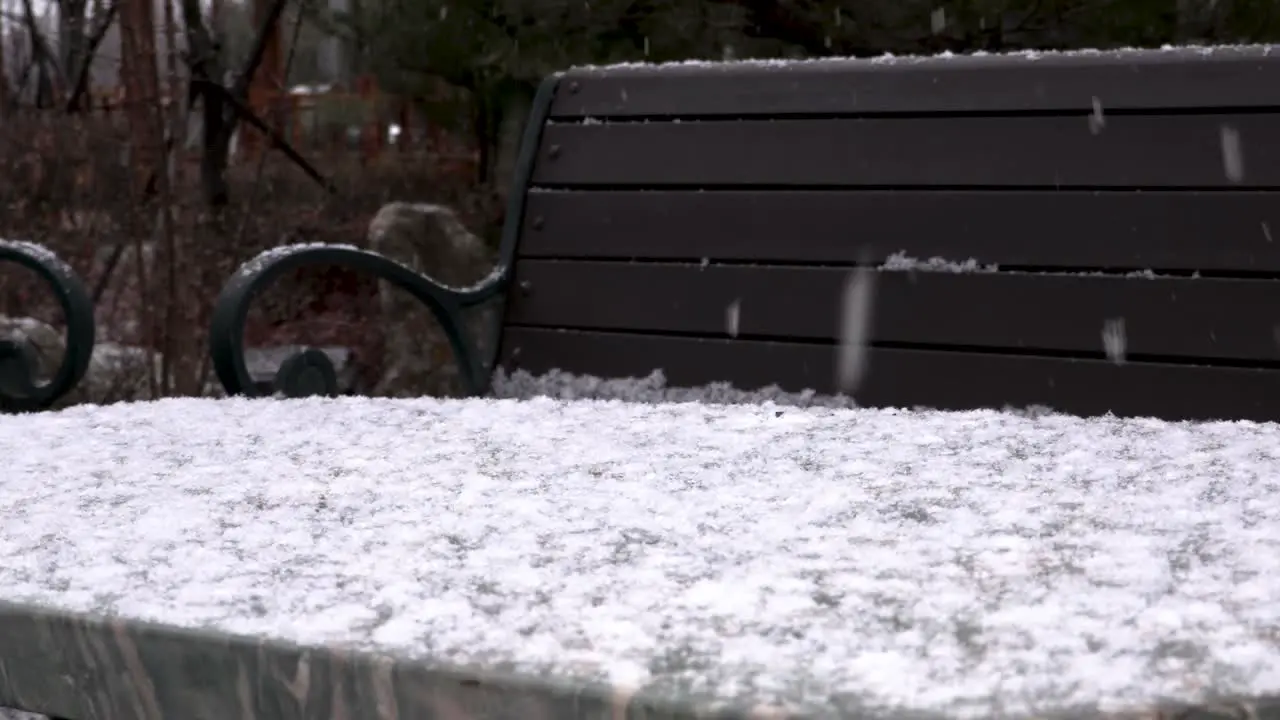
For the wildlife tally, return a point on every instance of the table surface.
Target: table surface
(815, 559)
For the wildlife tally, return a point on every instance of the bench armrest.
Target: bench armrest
(310, 371)
(19, 390)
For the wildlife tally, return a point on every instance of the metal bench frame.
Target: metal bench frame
(311, 372)
(19, 389)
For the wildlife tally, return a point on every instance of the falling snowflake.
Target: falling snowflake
(1113, 340)
(731, 315)
(1096, 119)
(855, 327)
(1232, 157)
(938, 20)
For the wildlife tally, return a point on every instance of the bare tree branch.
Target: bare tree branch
(240, 90)
(277, 140)
(81, 86)
(23, 77)
(224, 107)
(70, 31)
(205, 70)
(39, 45)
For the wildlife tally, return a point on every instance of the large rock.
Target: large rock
(117, 373)
(46, 342)
(431, 240)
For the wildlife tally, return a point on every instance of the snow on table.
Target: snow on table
(820, 558)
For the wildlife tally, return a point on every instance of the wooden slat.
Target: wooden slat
(905, 378)
(1184, 317)
(1048, 152)
(1137, 230)
(1190, 78)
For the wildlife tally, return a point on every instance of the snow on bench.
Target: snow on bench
(815, 559)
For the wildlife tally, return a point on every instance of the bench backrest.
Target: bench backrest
(1088, 231)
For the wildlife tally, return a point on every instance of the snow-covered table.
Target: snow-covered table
(363, 558)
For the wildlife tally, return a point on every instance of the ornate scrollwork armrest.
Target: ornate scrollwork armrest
(19, 388)
(311, 372)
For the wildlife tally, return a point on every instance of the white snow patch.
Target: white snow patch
(1145, 274)
(900, 261)
(973, 564)
(262, 259)
(1131, 55)
(494, 275)
(37, 251)
(266, 257)
(652, 388)
(21, 327)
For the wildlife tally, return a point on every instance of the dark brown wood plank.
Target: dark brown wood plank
(1185, 78)
(1137, 230)
(1047, 152)
(1199, 318)
(906, 378)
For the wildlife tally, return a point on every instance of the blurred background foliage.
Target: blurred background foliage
(485, 54)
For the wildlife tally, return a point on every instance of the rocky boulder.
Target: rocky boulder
(432, 241)
(117, 373)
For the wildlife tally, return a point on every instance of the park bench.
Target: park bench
(1086, 231)
(1091, 232)
(20, 387)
